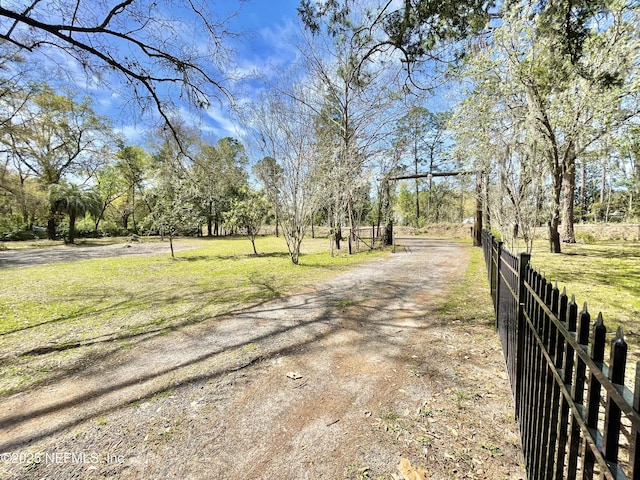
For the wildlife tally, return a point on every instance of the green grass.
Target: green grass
(469, 300)
(60, 318)
(606, 275)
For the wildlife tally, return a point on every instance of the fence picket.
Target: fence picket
(578, 393)
(634, 449)
(558, 376)
(568, 312)
(613, 414)
(547, 407)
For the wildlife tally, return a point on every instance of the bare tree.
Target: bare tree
(355, 108)
(289, 171)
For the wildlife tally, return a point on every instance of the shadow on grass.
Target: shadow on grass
(193, 258)
(231, 256)
(611, 265)
(624, 251)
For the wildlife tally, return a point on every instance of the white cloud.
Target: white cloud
(223, 125)
(272, 51)
(132, 134)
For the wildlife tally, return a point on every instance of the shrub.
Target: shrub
(19, 235)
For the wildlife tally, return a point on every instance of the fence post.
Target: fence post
(492, 269)
(523, 264)
(496, 280)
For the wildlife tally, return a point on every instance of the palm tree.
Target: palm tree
(73, 200)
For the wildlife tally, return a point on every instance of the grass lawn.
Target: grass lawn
(57, 319)
(604, 274)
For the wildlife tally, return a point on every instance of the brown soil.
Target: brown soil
(339, 382)
(71, 253)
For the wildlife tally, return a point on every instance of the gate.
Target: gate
(365, 239)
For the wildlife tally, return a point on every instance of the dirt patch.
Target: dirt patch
(342, 381)
(71, 253)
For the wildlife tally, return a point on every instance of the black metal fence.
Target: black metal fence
(577, 418)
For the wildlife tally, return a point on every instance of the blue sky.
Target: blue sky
(264, 46)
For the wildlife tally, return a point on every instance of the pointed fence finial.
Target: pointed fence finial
(598, 336)
(618, 362)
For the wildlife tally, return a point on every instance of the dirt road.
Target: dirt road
(340, 382)
(29, 257)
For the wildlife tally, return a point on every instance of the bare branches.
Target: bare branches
(154, 47)
(118, 9)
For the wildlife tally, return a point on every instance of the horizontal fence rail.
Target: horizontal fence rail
(366, 239)
(577, 418)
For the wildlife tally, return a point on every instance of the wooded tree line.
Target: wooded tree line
(541, 101)
(551, 117)
(64, 162)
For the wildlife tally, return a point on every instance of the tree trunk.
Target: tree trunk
(569, 190)
(51, 227)
(133, 209)
(52, 224)
(477, 227)
(72, 227)
(461, 211)
(554, 223)
(603, 183)
(210, 220)
(583, 192)
(485, 192)
(384, 212)
(554, 237)
(415, 158)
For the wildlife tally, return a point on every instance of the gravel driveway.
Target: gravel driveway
(341, 381)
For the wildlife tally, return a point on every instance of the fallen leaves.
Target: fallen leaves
(411, 473)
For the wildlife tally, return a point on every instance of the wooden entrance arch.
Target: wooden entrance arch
(477, 224)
